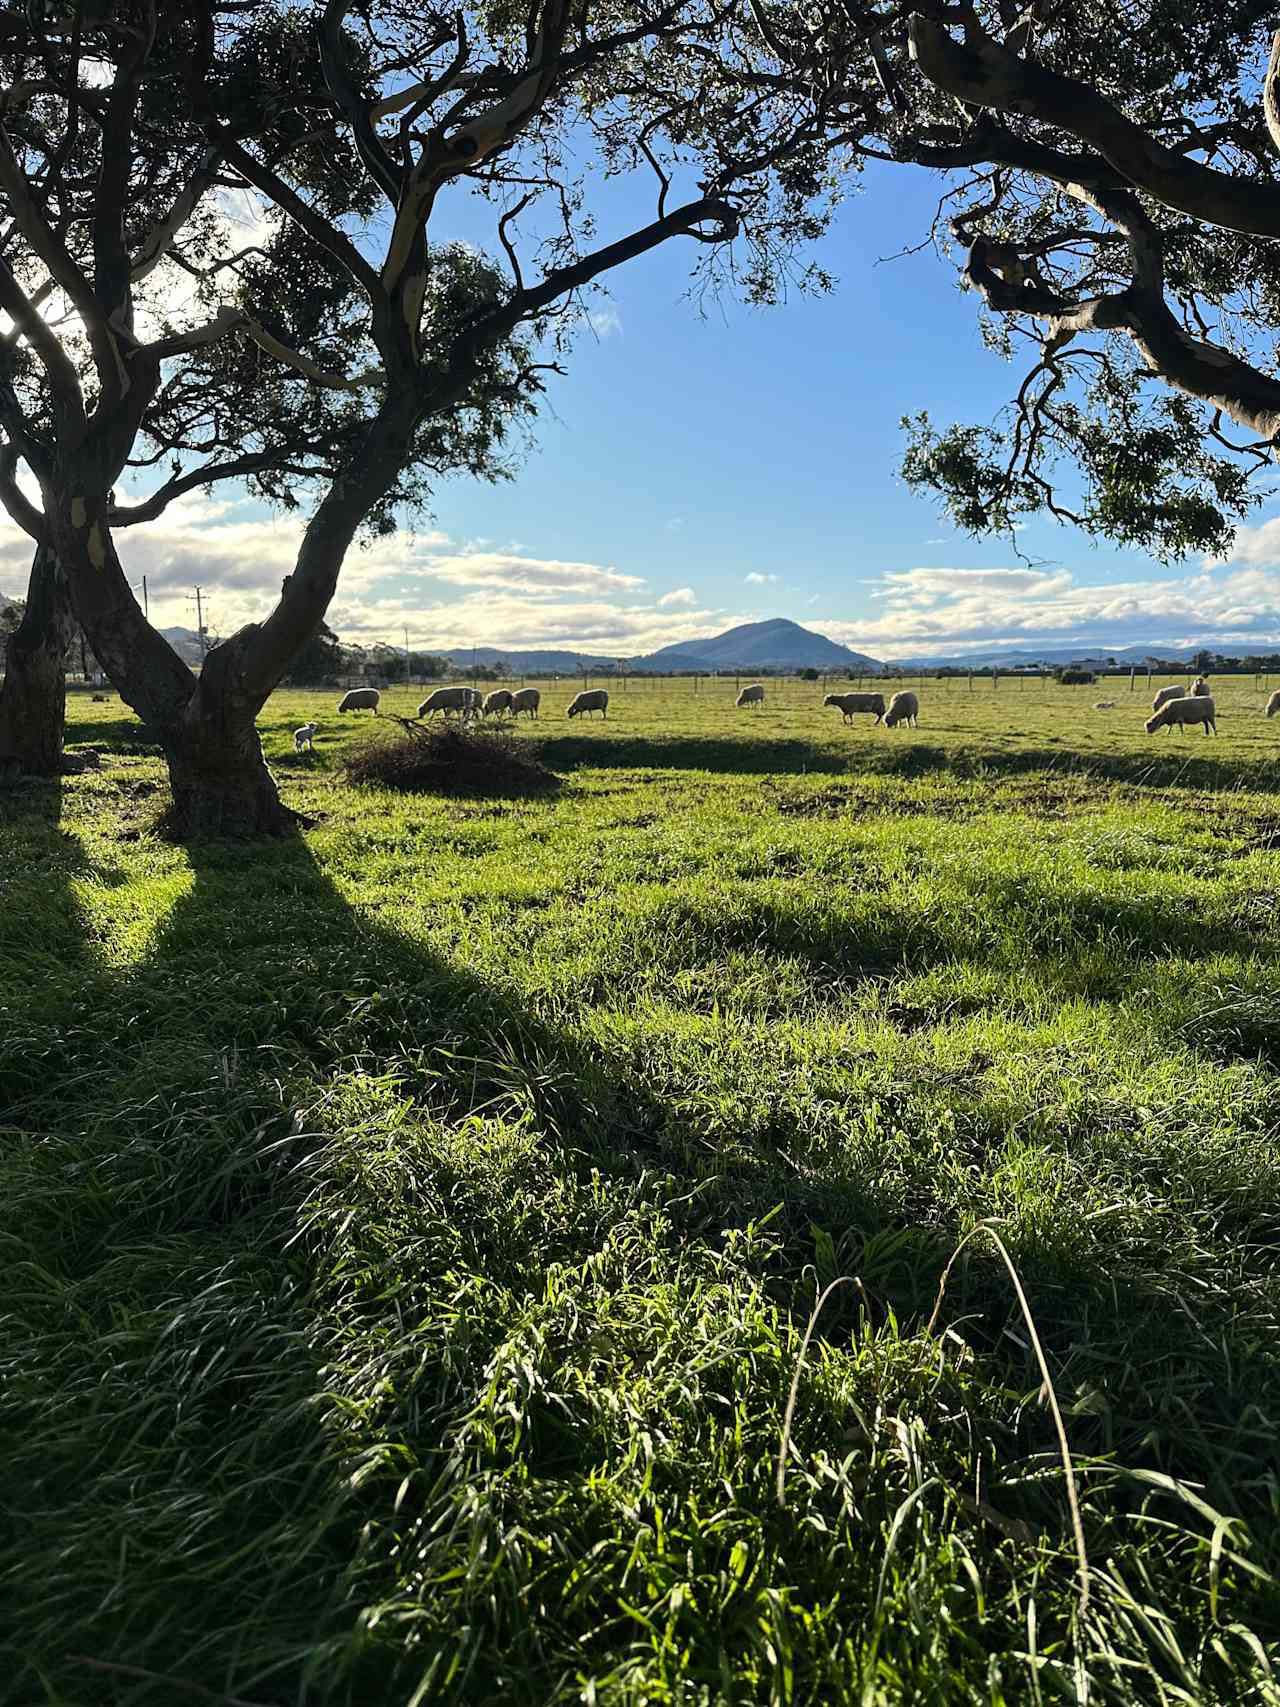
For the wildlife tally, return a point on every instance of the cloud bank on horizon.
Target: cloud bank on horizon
(453, 594)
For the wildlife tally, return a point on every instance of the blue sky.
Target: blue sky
(698, 468)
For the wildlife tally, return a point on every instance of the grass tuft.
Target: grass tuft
(450, 759)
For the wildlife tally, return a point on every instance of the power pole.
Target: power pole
(200, 634)
(146, 608)
(407, 670)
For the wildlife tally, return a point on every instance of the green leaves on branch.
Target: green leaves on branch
(1146, 477)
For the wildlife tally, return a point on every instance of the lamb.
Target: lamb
(303, 737)
(848, 703)
(754, 695)
(497, 702)
(1201, 689)
(903, 708)
(594, 699)
(1177, 713)
(526, 699)
(464, 700)
(1166, 694)
(360, 699)
(1273, 704)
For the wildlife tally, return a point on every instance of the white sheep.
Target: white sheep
(594, 699)
(525, 699)
(1177, 691)
(447, 700)
(1273, 704)
(903, 708)
(1177, 713)
(1200, 688)
(497, 702)
(754, 695)
(360, 699)
(302, 738)
(849, 703)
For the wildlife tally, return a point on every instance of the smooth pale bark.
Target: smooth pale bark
(33, 694)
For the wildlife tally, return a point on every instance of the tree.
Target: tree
(425, 344)
(318, 661)
(1114, 194)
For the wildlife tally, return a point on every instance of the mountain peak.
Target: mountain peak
(777, 643)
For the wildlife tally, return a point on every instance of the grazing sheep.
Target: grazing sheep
(497, 702)
(464, 700)
(1166, 694)
(903, 708)
(1104, 705)
(525, 699)
(595, 699)
(360, 699)
(303, 737)
(754, 695)
(1273, 704)
(1177, 713)
(848, 703)
(1200, 688)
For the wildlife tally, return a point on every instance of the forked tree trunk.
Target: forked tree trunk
(206, 724)
(33, 695)
(217, 773)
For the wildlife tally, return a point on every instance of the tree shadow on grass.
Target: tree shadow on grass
(1157, 768)
(732, 755)
(177, 1367)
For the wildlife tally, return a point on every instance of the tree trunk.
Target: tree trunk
(33, 695)
(206, 724)
(217, 773)
(221, 787)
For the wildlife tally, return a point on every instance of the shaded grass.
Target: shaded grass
(412, 1230)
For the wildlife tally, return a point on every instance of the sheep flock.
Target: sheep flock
(1180, 706)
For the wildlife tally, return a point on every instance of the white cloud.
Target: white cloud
(933, 609)
(755, 579)
(604, 322)
(447, 595)
(1260, 545)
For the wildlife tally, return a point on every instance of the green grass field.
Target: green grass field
(411, 1230)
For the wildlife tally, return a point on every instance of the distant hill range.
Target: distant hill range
(776, 645)
(185, 642)
(1084, 653)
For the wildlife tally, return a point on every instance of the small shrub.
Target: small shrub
(1076, 678)
(450, 759)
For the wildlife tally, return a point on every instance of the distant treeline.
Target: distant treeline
(328, 661)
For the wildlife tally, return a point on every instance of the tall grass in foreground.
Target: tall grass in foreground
(412, 1232)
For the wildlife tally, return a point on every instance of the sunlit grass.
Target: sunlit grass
(411, 1230)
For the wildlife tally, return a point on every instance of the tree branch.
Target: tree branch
(228, 320)
(23, 511)
(162, 236)
(982, 73)
(209, 474)
(316, 226)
